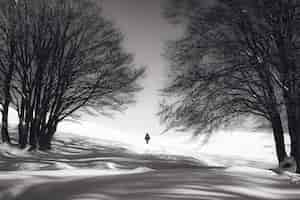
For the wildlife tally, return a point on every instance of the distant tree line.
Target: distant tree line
(235, 58)
(58, 59)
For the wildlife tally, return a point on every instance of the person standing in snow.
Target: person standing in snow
(147, 138)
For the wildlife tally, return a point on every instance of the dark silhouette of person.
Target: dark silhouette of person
(147, 138)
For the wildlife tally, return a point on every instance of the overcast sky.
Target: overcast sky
(145, 33)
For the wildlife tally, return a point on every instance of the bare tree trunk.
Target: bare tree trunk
(46, 138)
(278, 137)
(22, 139)
(45, 142)
(51, 133)
(4, 128)
(297, 150)
(23, 125)
(33, 136)
(292, 127)
(297, 158)
(297, 134)
(31, 128)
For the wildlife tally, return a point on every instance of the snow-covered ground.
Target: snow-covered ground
(244, 143)
(80, 168)
(116, 165)
(178, 183)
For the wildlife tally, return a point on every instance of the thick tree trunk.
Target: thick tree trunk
(22, 137)
(46, 139)
(4, 128)
(297, 136)
(38, 112)
(297, 151)
(23, 134)
(297, 158)
(21, 128)
(33, 140)
(34, 132)
(6, 92)
(45, 142)
(292, 109)
(30, 121)
(278, 138)
(292, 124)
(288, 76)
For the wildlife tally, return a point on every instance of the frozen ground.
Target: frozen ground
(89, 169)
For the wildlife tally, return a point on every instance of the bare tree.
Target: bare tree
(282, 20)
(221, 69)
(7, 55)
(69, 60)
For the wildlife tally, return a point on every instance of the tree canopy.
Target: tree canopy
(67, 59)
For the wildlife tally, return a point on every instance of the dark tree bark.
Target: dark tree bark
(278, 137)
(46, 138)
(7, 99)
(33, 138)
(236, 67)
(7, 64)
(69, 59)
(4, 128)
(292, 127)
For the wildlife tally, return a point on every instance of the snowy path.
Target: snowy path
(176, 184)
(80, 170)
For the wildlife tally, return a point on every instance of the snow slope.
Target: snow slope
(88, 169)
(170, 184)
(242, 144)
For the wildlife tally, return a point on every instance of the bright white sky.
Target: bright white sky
(145, 32)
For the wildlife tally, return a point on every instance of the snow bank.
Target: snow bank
(250, 170)
(30, 166)
(11, 151)
(71, 173)
(264, 173)
(293, 177)
(250, 145)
